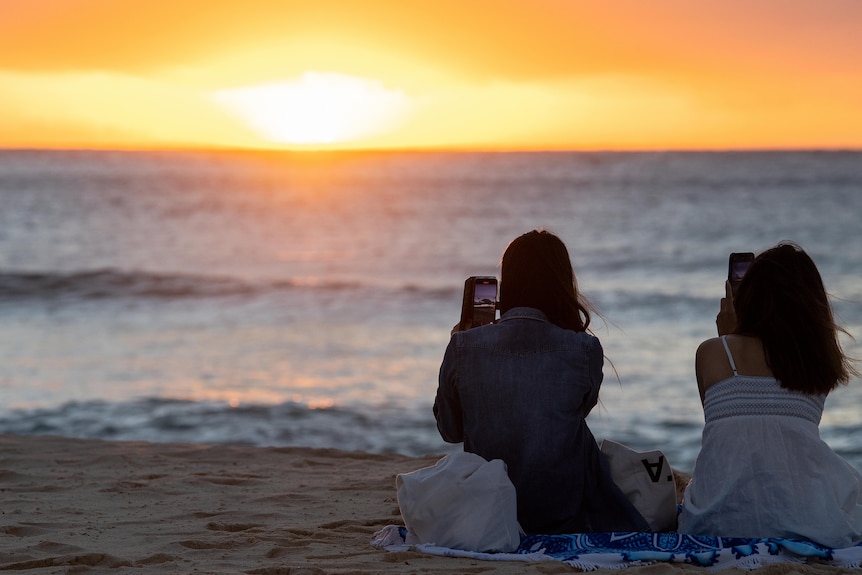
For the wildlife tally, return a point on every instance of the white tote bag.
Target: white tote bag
(646, 478)
(461, 502)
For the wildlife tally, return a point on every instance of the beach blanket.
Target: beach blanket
(589, 551)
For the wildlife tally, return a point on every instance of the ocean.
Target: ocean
(306, 299)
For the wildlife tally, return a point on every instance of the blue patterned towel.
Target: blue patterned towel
(590, 551)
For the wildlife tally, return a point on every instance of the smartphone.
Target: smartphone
(736, 267)
(479, 306)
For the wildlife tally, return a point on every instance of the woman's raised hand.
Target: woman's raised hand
(725, 321)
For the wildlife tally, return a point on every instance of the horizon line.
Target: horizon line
(430, 149)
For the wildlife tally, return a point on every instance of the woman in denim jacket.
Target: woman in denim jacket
(520, 390)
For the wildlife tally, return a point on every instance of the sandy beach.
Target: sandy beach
(84, 506)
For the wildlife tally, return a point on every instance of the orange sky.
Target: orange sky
(487, 74)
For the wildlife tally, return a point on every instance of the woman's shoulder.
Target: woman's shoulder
(554, 337)
(711, 364)
(712, 351)
(717, 357)
(585, 338)
(710, 346)
(723, 348)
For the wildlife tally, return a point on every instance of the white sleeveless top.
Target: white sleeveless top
(763, 470)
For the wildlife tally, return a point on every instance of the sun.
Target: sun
(318, 108)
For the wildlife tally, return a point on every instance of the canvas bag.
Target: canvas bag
(646, 478)
(461, 502)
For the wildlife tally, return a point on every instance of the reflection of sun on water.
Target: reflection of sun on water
(319, 108)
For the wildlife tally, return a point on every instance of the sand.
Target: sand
(85, 506)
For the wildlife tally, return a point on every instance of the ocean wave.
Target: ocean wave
(386, 429)
(368, 428)
(107, 283)
(112, 283)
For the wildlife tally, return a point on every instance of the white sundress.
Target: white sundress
(763, 470)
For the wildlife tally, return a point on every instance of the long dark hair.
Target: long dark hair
(537, 272)
(782, 301)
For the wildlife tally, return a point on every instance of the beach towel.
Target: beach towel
(589, 551)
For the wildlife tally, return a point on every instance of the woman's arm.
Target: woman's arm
(725, 321)
(596, 360)
(710, 360)
(711, 365)
(447, 404)
(698, 371)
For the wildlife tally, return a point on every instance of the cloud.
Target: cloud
(484, 39)
(508, 72)
(101, 109)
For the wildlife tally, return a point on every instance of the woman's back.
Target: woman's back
(519, 391)
(763, 470)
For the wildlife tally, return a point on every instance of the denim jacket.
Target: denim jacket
(520, 390)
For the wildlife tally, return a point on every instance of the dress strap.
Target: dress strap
(729, 356)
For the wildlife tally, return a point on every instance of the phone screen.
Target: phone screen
(737, 266)
(484, 302)
(738, 271)
(480, 301)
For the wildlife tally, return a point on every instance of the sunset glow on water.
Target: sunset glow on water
(293, 300)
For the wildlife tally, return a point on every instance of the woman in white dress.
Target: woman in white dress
(763, 470)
